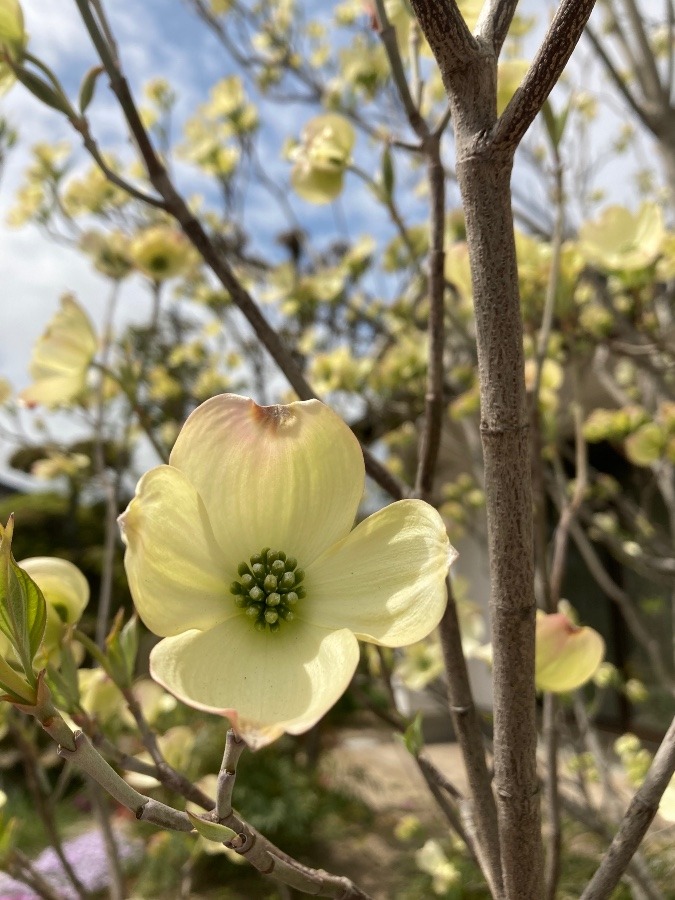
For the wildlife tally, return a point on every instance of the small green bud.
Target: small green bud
(291, 563)
(274, 599)
(271, 616)
(292, 598)
(256, 594)
(247, 581)
(278, 567)
(253, 611)
(299, 575)
(235, 588)
(258, 570)
(243, 569)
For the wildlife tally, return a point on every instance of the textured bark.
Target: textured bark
(505, 436)
(485, 146)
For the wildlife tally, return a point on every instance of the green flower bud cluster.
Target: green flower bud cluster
(269, 588)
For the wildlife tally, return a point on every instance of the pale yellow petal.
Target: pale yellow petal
(264, 683)
(567, 656)
(64, 587)
(386, 580)
(285, 477)
(61, 357)
(177, 575)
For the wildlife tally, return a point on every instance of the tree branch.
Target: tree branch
(450, 40)
(434, 403)
(193, 229)
(467, 729)
(495, 20)
(618, 82)
(561, 39)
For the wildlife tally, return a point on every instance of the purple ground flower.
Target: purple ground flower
(86, 854)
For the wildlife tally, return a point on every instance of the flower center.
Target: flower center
(268, 589)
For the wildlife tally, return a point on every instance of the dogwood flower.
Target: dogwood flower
(567, 655)
(321, 158)
(161, 252)
(61, 357)
(619, 240)
(240, 555)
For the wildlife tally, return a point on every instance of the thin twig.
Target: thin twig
(434, 402)
(637, 819)
(552, 798)
(495, 20)
(43, 807)
(547, 66)
(467, 729)
(234, 747)
(102, 814)
(193, 229)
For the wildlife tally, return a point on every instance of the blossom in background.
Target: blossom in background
(161, 252)
(13, 39)
(444, 874)
(567, 655)
(621, 241)
(321, 157)
(66, 593)
(240, 555)
(61, 357)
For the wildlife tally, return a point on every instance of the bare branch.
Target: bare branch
(388, 38)
(561, 39)
(641, 634)
(495, 20)
(434, 407)
(618, 82)
(467, 728)
(646, 64)
(450, 40)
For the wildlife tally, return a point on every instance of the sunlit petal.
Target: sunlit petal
(386, 580)
(567, 656)
(61, 357)
(286, 477)
(177, 575)
(264, 683)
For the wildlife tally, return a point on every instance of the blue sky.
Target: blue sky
(157, 37)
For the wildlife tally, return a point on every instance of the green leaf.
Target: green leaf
(63, 682)
(44, 92)
(412, 736)
(122, 647)
(14, 686)
(555, 124)
(23, 611)
(88, 87)
(388, 178)
(212, 831)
